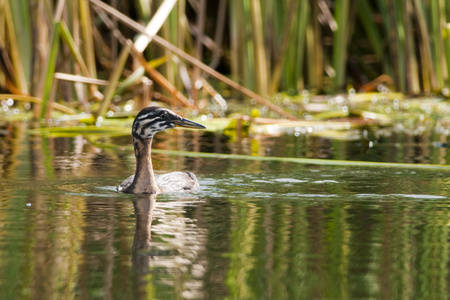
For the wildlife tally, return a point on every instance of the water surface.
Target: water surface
(256, 230)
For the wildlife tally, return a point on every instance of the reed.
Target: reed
(340, 41)
(315, 51)
(436, 33)
(114, 80)
(259, 48)
(446, 39)
(23, 33)
(295, 54)
(50, 69)
(266, 47)
(17, 58)
(237, 44)
(396, 35)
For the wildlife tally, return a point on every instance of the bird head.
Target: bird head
(153, 119)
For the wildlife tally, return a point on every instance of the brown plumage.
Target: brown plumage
(147, 123)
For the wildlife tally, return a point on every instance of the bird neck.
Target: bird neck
(144, 180)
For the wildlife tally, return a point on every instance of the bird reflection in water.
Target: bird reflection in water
(143, 210)
(177, 258)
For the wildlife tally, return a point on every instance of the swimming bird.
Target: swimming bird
(147, 123)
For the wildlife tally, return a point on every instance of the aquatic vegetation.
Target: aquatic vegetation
(82, 58)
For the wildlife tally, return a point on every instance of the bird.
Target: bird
(147, 123)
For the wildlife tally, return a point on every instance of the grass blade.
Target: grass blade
(412, 76)
(22, 28)
(328, 162)
(114, 80)
(428, 75)
(236, 39)
(370, 27)
(87, 36)
(67, 37)
(50, 69)
(307, 161)
(19, 76)
(260, 59)
(436, 23)
(314, 50)
(446, 40)
(286, 34)
(304, 12)
(339, 59)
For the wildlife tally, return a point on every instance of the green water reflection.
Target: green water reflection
(267, 230)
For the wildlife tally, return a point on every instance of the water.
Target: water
(256, 230)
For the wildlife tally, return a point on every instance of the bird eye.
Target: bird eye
(163, 116)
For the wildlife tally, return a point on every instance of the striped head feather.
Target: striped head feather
(153, 119)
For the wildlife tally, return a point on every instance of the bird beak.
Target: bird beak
(188, 124)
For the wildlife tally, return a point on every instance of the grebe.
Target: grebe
(147, 123)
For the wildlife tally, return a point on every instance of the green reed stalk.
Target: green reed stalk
(267, 10)
(22, 29)
(130, 81)
(248, 50)
(387, 61)
(259, 53)
(136, 77)
(397, 42)
(50, 69)
(171, 31)
(144, 9)
(241, 64)
(428, 75)
(284, 32)
(87, 37)
(446, 39)
(314, 49)
(67, 37)
(114, 80)
(241, 46)
(74, 27)
(296, 49)
(339, 59)
(303, 13)
(16, 55)
(312, 161)
(289, 79)
(371, 29)
(235, 39)
(2, 37)
(412, 73)
(435, 7)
